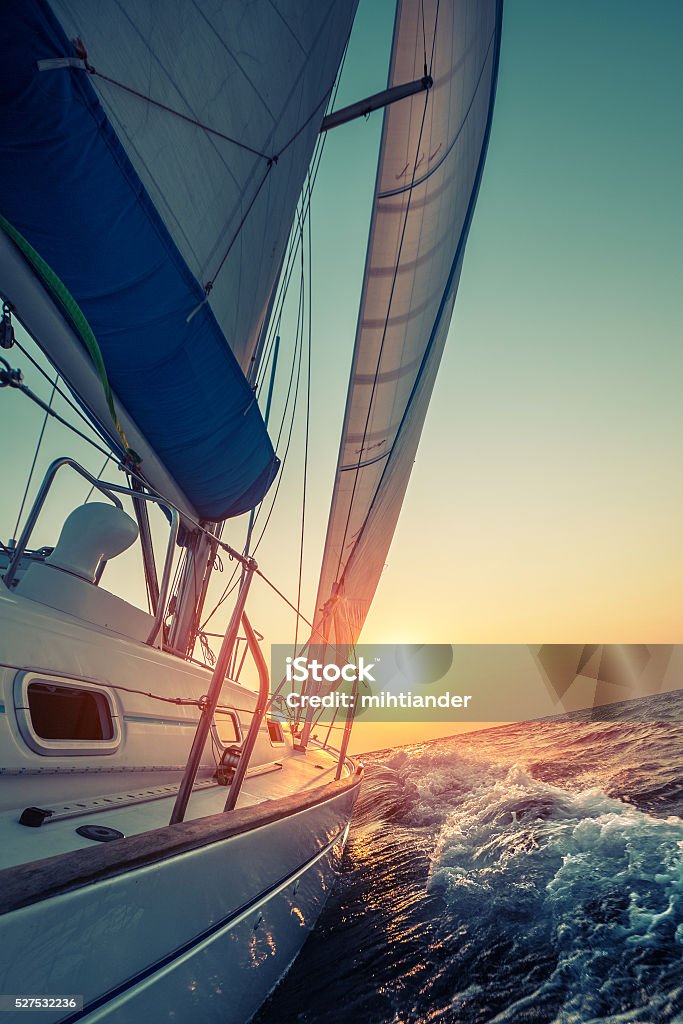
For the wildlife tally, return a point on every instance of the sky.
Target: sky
(546, 499)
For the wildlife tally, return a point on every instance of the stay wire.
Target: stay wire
(60, 419)
(307, 428)
(35, 456)
(294, 380)
(289, 604)
(286, 453)
(98, 477)
(424, 34)
(62, 394)
(315, 163)
(296, 365)
(232, 585)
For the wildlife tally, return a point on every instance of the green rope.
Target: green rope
(76, 315)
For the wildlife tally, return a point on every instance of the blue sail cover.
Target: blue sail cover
(72, 190)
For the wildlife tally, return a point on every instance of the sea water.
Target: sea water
(530, 873)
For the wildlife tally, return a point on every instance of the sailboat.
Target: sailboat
(166, 841)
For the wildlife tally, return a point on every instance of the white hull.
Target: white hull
(202, 935)
(195, 921)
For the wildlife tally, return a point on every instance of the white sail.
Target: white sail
(431, 159)
(255, 71)
(152, 154)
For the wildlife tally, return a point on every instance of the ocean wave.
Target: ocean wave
(580, 879)
(522, 875)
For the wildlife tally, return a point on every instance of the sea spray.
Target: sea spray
(531, 874)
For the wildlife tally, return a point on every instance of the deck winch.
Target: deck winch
(225, 772)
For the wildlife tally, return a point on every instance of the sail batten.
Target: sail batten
(430, 167)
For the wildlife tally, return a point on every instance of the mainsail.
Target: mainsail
(152, 154)
(430, 166)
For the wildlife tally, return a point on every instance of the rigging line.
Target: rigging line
(62, 394)
(98, 477)
(180, 565)
(296, 361)
(224, 596)
(289, 604)
(232, 583)
(286, 454)
(315, 163)
(298, 344)
(308, 422)
(180, 701)
(191, 634)
(209, 284)
(384, 336)
(436, 25)
(291, 428)
(176, 113)
(173, 590)
(424, 35)
(276, 320)
(148, 590)
(315, 719)
(35, 456)
(290, 262)
(276, 317)
(60, 419)
(323, 100)
(431, 56)
(111, 457)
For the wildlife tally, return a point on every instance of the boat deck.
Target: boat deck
(134, 802)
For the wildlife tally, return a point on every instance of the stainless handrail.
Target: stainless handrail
(110, 491)
(211, 699)
(257, 718)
